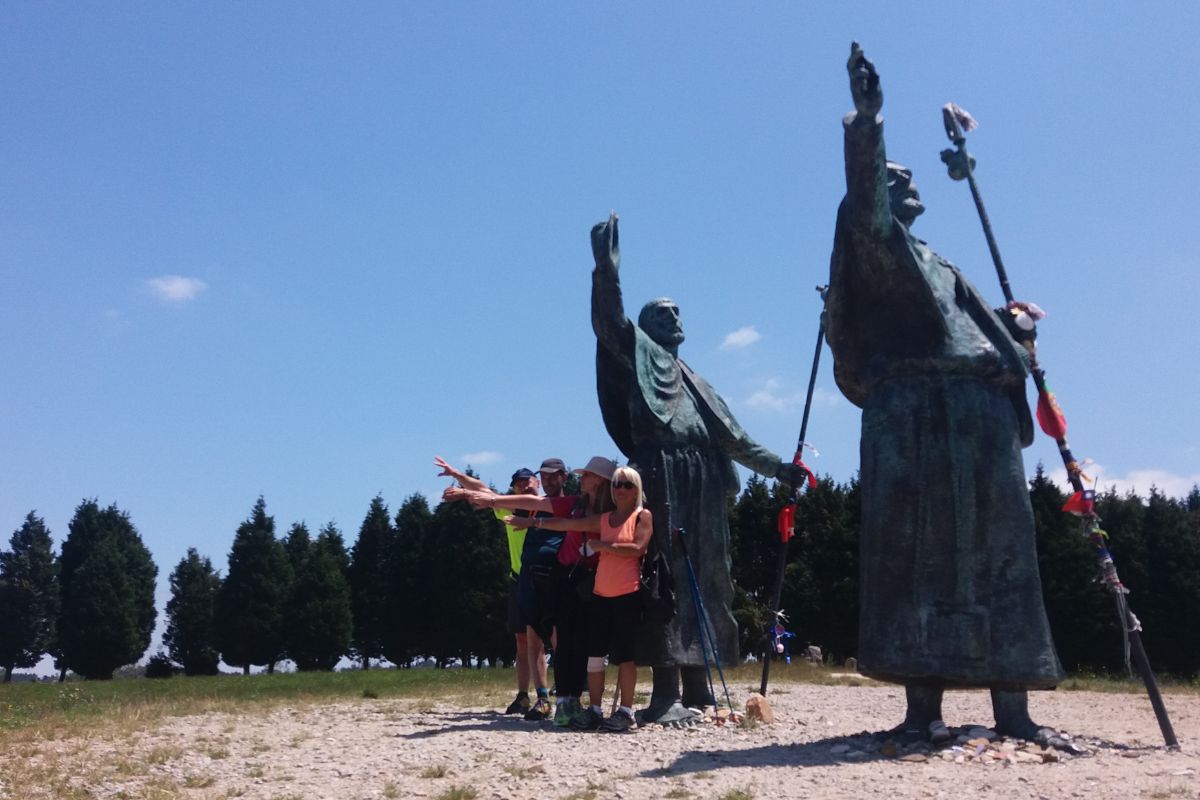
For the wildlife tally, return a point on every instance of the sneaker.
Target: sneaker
(589, 720)
(619, 722)
(565, 711)
(518, 706)
(540, 710)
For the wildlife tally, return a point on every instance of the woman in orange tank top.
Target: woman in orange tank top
(621, 537)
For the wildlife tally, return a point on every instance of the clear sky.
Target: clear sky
(298, 249)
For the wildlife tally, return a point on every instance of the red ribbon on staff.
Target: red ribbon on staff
(810, 477)
(785, 522)
(1050, 416)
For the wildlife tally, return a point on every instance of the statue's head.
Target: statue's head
(660, 320)
(902, 193)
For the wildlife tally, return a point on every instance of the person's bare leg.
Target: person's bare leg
(537, 658)
(626, 681)
(596, 688)
(522, 662)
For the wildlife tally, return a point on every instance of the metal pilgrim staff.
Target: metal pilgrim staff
(1020, 318)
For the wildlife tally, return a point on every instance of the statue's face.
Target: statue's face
(902, 193)
(660, 320)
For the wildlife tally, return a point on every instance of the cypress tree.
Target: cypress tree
(466, 604)
(107, 581)
(249, 613)
(407, 633)
(29, 596)
(821, 590)
(369, 582)
(754, 550)
(189, 637)
(1082, 619)
(318, 619)
(1172, 604)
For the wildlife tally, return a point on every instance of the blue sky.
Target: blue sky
(299, 249)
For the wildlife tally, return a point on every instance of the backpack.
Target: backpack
(656, 587)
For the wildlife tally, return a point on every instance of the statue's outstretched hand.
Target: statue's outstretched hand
(864, 83)
(793, 475)
(606, 248)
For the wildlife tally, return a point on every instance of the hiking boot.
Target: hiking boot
(589, 720)
(565, 711)
(619, 722)
(519, 705)
(541, 710)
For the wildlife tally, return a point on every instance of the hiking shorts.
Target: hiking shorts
(535, 598)
(614, 626)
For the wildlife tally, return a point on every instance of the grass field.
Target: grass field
(61, 709)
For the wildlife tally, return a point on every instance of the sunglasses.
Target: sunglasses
(624, 484)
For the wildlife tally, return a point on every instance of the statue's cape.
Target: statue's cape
(661, 381)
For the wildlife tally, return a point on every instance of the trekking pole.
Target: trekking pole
(704, 625)
(961, 165)
(787, 514)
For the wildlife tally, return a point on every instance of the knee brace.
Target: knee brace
(595, 664)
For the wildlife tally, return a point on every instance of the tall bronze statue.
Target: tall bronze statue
(951, 596)
(679, 434)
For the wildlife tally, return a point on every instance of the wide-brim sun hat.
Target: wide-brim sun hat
(599, 466)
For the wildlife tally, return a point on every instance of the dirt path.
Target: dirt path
(385, 748)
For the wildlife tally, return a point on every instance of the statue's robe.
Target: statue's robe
(950, 590)
(681, 437)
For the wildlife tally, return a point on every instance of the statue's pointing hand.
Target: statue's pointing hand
(864, 83)
(606, 248)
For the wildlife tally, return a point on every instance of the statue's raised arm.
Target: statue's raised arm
(867, 205)
(614, 330)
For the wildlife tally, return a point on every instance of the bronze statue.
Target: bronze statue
(951, 596)
(679, 434)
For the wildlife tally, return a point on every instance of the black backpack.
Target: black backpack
(656, 588)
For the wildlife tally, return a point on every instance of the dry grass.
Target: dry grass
(69, 736)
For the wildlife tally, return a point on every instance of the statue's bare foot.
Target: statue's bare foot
(1012, 719)
(1040, 734)
(675, 715)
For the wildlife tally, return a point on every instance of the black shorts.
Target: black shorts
(535, 598)
(614, 626)
(515, 624)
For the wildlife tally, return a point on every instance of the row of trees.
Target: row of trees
(1155, 543)
(91, 607)
(432, 582)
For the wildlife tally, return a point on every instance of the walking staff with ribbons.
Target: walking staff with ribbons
(1020, 318)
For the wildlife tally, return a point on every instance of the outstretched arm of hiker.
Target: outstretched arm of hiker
(586, 524)
(464, 480)
(490, 499)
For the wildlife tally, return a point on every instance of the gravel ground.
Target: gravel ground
(818, 747)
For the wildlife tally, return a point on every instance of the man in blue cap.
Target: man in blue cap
(530, 652)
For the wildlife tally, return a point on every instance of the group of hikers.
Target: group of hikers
(575, 566)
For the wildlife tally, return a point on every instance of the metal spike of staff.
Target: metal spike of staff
(786, 521)
(1021, 323)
